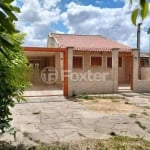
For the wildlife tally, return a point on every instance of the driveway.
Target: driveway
(55, 118)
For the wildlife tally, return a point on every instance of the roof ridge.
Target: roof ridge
(75, 34)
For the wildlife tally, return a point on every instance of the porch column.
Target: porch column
(70, 60)
(115, 69)
(135, 67)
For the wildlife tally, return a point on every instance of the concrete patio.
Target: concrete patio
(55, 118)
(43, 90)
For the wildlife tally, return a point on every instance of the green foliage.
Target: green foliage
(134, 16)
(141, 11)
(7, 27)
(144, 8)
(85, 96)
(13, 64)
(123, 143)
(13, 76)
(114, 143)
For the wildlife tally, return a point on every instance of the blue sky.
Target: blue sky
(110, 18)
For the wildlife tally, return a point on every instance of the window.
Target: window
(120, 62)
(77, 62)
(96, 61)
(109, 62)
(144, 62)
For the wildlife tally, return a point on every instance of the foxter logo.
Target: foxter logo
(49, 75)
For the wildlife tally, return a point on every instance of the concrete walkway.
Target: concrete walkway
(49, 119)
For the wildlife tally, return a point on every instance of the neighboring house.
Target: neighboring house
(144, 59)
(145, 65)
(87, 63)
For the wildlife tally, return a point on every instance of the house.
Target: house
(145, 65)
(144, 59)
(86, 64)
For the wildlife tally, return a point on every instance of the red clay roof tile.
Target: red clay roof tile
(88, 42)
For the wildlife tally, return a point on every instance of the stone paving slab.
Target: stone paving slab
(67, 121)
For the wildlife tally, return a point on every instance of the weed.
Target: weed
(147, 107)
(111, 97)
(114, 143)
(140, 125)
(85, 96)
(54, 146)
(132, 115)
(144, 113)
(123, 143)
(25, 134)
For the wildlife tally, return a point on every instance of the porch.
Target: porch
(46, 65)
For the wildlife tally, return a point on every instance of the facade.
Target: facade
(145, 65)
(98, 56)
(89, 64)
(144, 59)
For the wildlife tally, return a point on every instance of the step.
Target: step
(45, 99)
(124, 91)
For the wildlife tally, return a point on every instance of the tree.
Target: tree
(13, 64)
(141, 11)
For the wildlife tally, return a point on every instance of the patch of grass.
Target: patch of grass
(132, 115)
(111, 97)
(89, 97)
(25, 134)
(140, 125)
(54, 146)
(115, 100)
(146, 107)
(144, 113)
(86, 97)
(114, 143)
(123, 143)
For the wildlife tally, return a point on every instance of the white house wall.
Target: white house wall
(109, 85)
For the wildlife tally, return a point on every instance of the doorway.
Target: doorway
(125, 72)
(39, 87)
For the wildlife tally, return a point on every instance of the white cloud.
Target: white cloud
(113, 23)
(50, 3)
(36, 18)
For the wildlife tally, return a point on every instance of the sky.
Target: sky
(110, 18)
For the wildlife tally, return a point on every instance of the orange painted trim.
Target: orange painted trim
(65, 73)
(65, 64)
(43, 49)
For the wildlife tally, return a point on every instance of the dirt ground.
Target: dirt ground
(112, 106)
